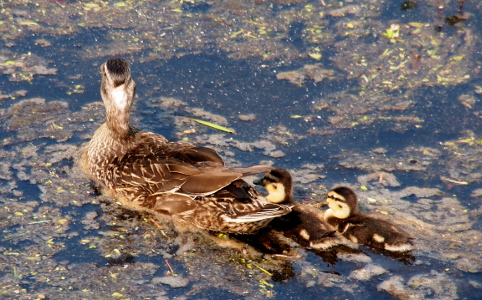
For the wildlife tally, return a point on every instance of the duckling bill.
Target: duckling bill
(146, 172)
(343, 215)
(304, 224)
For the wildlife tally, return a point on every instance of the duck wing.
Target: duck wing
(237, 208)
(266, 211)
(153, 174)
(189, 154)
(147, 143)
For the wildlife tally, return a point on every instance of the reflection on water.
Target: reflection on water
(409, 146)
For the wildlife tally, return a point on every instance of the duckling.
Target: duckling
(146, 172)
(360, 228)
(305, 225)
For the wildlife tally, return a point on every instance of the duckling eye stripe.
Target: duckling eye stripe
(336, 197)
(270, 178)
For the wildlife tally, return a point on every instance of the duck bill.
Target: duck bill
(259, 182)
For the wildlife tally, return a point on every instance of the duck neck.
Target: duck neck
(118, 101)
(118, 123)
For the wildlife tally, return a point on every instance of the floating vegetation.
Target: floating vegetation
(117, 238)
(212, 125)
(24, 67)
(59, 237)
(313, 72)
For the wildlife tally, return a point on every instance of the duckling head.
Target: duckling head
(342, 202)
(117, 90)
(278, 183)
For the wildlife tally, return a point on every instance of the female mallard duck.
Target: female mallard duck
(361, 228)
(146, 172)
(305, 224)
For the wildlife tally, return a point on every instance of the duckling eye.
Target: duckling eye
(275, 187)
(340, 206)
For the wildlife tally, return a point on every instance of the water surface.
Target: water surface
(393, 113)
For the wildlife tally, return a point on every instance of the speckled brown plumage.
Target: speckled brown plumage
(144, 171)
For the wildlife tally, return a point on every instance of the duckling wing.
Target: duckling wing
(304, 226)
(376, 233)
(388, 236)
(314, 224)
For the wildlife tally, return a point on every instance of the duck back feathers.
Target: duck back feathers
(146, 172)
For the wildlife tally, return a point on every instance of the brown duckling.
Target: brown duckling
(343, 215)
(146, 172)
(305, 224)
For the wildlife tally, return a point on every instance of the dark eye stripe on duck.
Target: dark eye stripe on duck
(271, 178)
(336, 197)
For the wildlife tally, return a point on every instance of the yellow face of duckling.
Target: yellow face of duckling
(339, 207)
(278, 185)
(276, 192)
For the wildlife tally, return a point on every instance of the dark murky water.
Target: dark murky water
(59, 240)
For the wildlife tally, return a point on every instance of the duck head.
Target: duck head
(278, 183)
(342, 202)
(117, 90)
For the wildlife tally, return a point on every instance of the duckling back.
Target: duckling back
(304, 224)
(361, 228)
